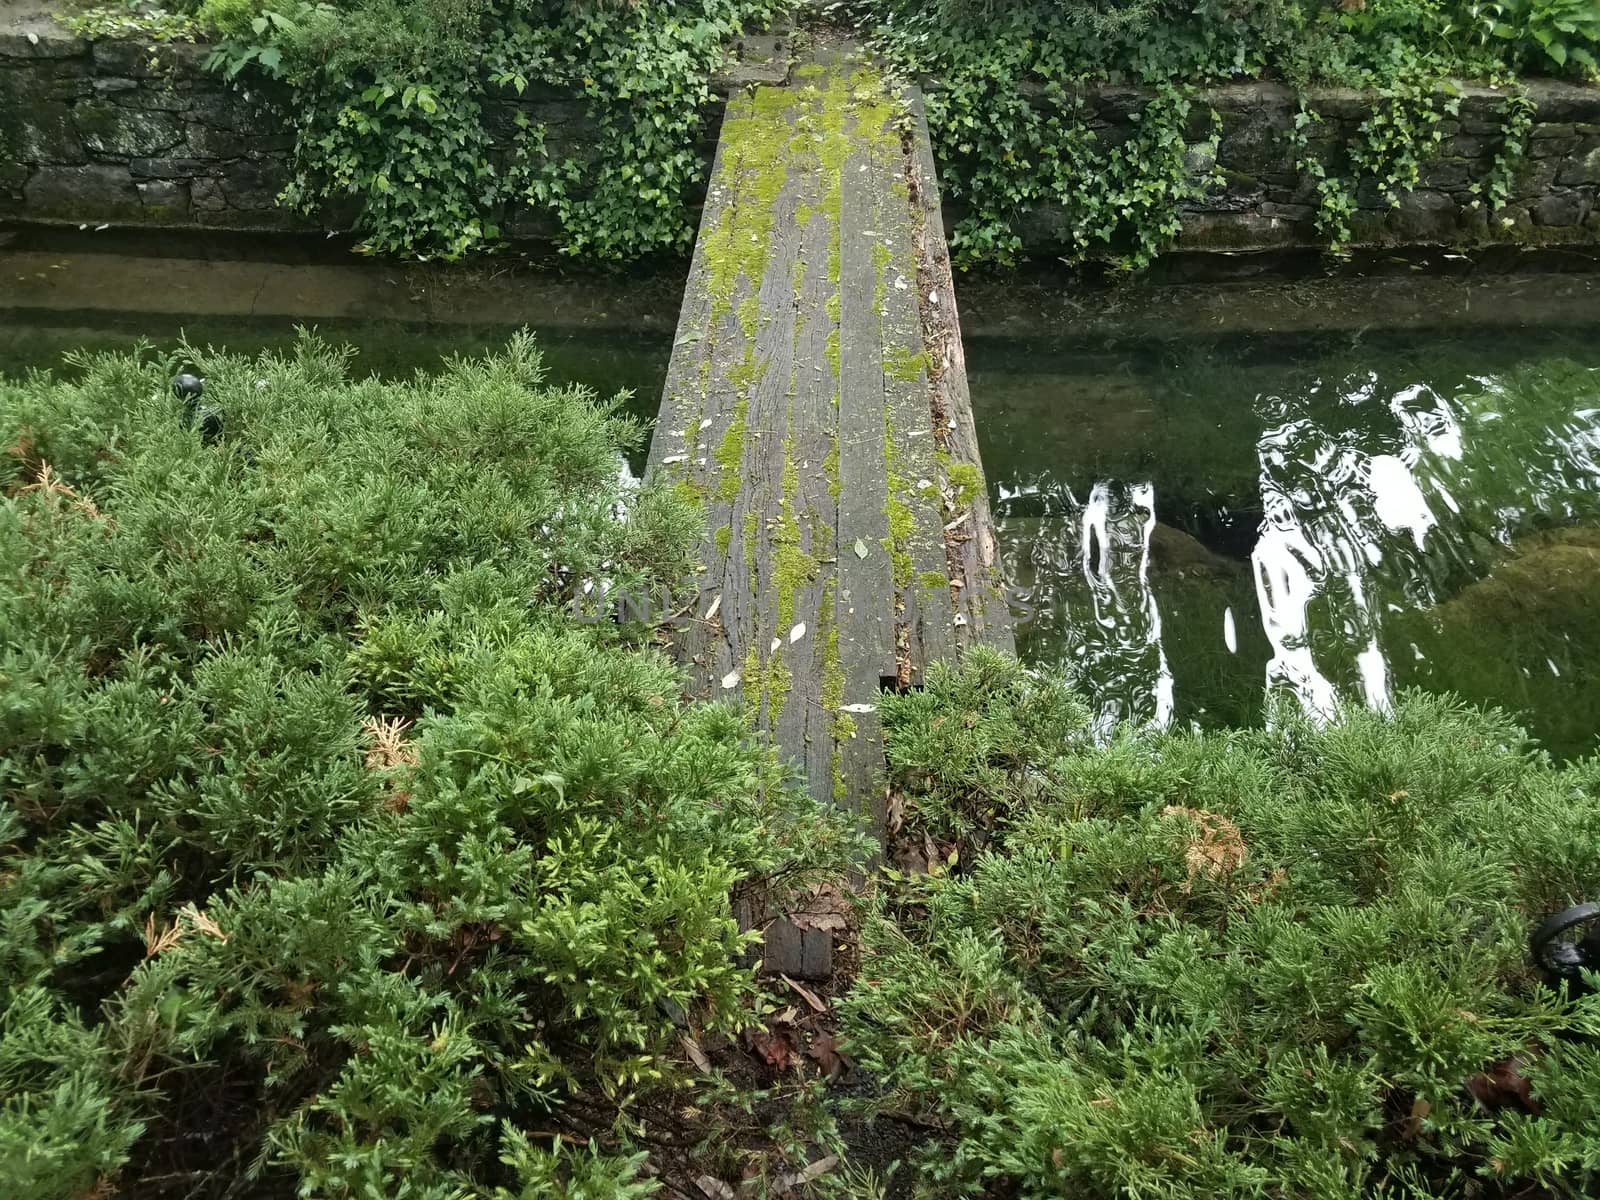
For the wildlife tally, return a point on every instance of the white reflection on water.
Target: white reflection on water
(1087, 566)
(1376, 504)
(1125, 623)
(1333, 504)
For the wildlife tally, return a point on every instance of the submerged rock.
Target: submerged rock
(1526, 637)
(1544, 592)
(1172, 551)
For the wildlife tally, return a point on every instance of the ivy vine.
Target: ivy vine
(417, 119)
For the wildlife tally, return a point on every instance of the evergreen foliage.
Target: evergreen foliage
(1282, 962)
(331, 845)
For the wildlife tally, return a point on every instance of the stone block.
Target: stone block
(117, 132)
(1447, 174)
(1466, 145)
(1580, 170)
(42, 44)
(205, 195)
(157, 99)
(171, 168)
(141, 60)
(253, 184)
(1561, 209)
(1199, 158)
(1564, 102)
(165, 201)
(1425, 215)
(43, 132)
(204, 140)
(1288, 212)
(93, 192)
(1236, 231)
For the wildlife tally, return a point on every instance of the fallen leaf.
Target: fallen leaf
(861, 548)
(822, 1166)
(714, 1188)
(806, 994)
(798, 632)
(696, 1055)
(824, 1049)
(730, 680)
(824, 908)
(773, 1048)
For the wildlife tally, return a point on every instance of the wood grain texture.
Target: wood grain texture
(815, 403)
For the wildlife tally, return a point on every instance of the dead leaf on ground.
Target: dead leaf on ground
(714, 1188)
(824, 1051)
(806, 994)
(825, 908)
(772, 1048)
(814, 1171)
(1504, 1085)
(1420, 1109)
(1217, 847)
(691, 1047)
(896, 817)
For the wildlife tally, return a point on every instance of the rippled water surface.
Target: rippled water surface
(1188, 519)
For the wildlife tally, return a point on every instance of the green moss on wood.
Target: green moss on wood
(965, 480)
(904, 364)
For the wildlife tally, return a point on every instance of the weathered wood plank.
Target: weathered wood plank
(984, 615)
(815, 405)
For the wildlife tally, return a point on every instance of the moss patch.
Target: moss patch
(903, 364)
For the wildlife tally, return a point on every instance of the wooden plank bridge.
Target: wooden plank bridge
(817, 407)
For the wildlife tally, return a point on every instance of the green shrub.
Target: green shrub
(330, 840)
(1281, 962)
(1023, 161)
(391, 105)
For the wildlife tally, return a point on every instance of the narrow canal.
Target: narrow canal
(1334, 488)
(1207, 495)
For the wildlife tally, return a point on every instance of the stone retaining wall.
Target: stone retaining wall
(129, 134)
(134, 134)
(1265, 203)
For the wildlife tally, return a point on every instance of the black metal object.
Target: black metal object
(189, 388)
(209, 418)
(1564, 960)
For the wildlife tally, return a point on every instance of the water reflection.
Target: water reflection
(1414, 519)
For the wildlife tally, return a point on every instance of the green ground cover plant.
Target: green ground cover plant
(1280, 962)
(337, 858)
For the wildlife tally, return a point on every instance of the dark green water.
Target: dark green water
(1189, 520)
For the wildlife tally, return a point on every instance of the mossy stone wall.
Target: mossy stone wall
(1265, 203)
(135, 134)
